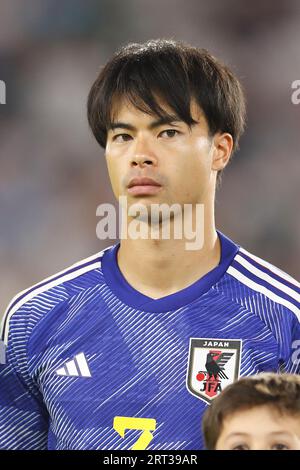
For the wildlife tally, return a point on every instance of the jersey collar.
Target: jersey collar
(130, 296)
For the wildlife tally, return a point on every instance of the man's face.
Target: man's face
(260, 428)
(176, 157)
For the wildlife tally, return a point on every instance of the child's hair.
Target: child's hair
(281, 392)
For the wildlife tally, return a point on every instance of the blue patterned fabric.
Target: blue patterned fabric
(84, 347)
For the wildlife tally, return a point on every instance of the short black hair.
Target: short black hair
(176, 72)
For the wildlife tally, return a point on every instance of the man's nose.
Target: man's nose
(143, 155)
(142, 160)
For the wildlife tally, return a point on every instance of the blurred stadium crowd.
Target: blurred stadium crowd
(52, 172)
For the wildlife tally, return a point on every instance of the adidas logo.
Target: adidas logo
(77, 367)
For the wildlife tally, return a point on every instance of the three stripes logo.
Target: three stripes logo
(77, 367)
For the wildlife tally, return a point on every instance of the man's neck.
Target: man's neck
(158, 268)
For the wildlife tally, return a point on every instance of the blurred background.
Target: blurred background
(52, 171)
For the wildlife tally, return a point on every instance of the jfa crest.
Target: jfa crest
(213, 364)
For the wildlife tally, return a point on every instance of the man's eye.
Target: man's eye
(126, 137)
(170, 130)
(120, 135)
(280, 447)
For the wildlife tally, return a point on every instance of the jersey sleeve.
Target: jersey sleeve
(291, 364)
(23, 415)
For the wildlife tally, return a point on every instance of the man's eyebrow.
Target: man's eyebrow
(152, 125)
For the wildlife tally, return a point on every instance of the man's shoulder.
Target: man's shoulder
(261, 276)
(35, 301)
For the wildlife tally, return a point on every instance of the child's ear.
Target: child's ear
(222, 149)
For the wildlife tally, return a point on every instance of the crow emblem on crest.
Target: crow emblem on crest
(214, 367)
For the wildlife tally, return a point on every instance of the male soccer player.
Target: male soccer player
(126, 349)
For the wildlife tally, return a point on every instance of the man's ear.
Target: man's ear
(223, 144)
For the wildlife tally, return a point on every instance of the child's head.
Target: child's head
(259, 412)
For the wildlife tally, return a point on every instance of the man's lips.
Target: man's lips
(143, 186)
(144, 190)
(142, 182)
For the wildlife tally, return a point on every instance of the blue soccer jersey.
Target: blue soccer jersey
(91, 363)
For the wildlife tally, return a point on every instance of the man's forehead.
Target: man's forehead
(122, 106)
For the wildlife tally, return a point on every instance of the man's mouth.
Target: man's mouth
(144, 190)
(143, 187)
